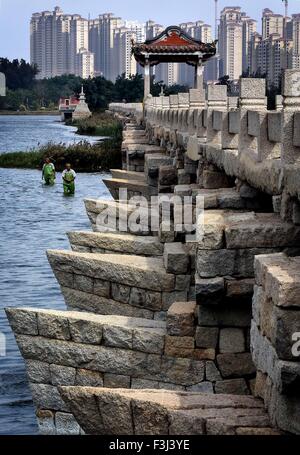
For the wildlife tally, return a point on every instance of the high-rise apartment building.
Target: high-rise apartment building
(138, 28)
(55, 40)
(102, 43)
(296, 41)
(153, 29)
(277, 48)
(94, 44)
(277, 57)
(272, 23)
(69, 44)
(123, 61)
(84, 64)
(249, 29)
(231, 42)
(257, 60)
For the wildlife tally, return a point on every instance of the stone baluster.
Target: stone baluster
(173, 112)
(158, 110)
(290, 146)
(152, 109)
(253, 102)
(210, 176)
(230, 125)
(231, 129)
(197, 104)
(165, 109)
(233, 102)
(216, 108)
(279, 102)
(183, 110)
(148, 108)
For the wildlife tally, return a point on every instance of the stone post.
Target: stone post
(165, 109)
(159, 103)
(147, 79)
(148, 106)
(199, 69)
(154, 111)
(183, 109)
(290, 146)
(252, 98)
(197, 104)
(278, 102)
(173, 118)
(216, 107)
(231, 128)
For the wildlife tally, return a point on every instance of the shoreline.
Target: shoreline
(27, 113)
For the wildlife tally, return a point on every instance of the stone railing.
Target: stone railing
(126, 108)
(241, 136)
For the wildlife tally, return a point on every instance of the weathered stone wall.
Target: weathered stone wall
(79, 349)
(274, 334)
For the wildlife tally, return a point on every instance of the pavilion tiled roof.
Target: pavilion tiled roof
(173, 40)
(159, 48)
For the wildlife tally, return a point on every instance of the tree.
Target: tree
(25, 89)
(130, 89)
(19, 74)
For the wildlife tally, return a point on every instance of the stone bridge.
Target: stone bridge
(181, 328)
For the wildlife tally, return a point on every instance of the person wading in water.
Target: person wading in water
(69, 177)
(48, 172)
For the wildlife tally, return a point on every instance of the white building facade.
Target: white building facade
(85, 64)
(231, 42)
(69, 44)
(55, 40)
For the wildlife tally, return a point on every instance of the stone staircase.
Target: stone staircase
(110, 242)
(153, 305)
(154, 412)
(115, 283)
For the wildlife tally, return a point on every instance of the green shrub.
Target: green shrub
(83, 156)
(100, 124)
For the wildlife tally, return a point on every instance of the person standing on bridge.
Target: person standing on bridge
(48, 172)
(68, 177)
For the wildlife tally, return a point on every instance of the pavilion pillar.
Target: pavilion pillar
(147, 79)
(199, 69)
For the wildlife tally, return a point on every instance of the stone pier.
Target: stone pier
(179, 327)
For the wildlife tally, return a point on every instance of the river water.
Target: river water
(19, 133)
(33, 218)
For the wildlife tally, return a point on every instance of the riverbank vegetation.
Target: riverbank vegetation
(100, 124)
(84, 157)
(26, 93)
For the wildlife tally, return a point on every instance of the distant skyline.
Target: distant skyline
(15, 15)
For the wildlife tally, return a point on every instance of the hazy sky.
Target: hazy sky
(15, 14)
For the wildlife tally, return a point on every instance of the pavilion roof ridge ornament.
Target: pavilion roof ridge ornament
(170, 33)
(173, 45)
